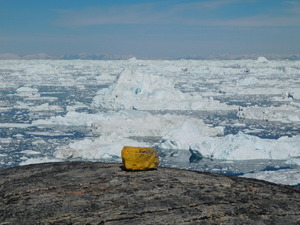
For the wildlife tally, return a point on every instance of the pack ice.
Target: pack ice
(160, 101)
(134, 91)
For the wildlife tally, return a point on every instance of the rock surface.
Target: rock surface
(100, 193)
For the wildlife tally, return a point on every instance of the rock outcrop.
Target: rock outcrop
(100, 193)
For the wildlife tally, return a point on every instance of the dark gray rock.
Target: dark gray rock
(99, 193)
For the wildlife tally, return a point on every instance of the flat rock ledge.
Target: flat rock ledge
(101, 193)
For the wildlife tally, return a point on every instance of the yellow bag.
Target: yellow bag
(139, 158)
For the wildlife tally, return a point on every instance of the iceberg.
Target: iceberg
(262, 59)
(231, 147)
(104, 147)
(112, 130)
(127, 123)
(189, 132)
(139, 91)
(146, 124)
(293, 161)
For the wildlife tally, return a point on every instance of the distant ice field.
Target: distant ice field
(238, 117)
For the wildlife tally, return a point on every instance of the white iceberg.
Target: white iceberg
(145, 124)
(262, 59)
(104, 147)
(116, 128)
(127, 123)
(293, 161)
(231, 147)
(135, 90)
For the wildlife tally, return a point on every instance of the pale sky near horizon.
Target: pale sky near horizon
(168, 28)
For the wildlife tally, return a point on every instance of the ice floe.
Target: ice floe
(282, 176)
(45, 107)
(18, 125)
(30, 152)
(37, 160)
(28, 92)
(72, 118)
(283, 113)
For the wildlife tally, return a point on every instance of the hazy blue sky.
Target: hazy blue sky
(159, 28)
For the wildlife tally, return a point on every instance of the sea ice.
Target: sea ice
(283, 176)
(45, 107)
(72, 118)
(27, 92)
(76, 106)
(293, 161)
(247, 81)
(38, 160)
(283, 113)
(68, 87)
(30, 152)
(17, 125)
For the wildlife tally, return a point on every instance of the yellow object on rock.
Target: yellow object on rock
(139, 158)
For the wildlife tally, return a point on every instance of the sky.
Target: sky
(155, 29)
